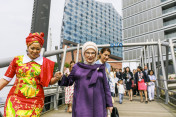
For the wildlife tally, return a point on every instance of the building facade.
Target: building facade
(145, 20)
(90, 20)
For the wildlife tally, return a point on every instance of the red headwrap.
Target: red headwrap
(35, 38)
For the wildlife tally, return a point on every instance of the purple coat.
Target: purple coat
(91, 92)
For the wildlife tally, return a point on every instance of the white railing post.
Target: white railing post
(173, 55)
(155, 70)
(163, 72)
(148, 54)
(77, 54)
(63, 59)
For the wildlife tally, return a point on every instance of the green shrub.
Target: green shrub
(67, 65)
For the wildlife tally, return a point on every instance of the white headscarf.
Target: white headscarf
(89, 45)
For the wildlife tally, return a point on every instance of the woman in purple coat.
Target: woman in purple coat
(92, 96)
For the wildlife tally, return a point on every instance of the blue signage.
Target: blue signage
(116, 44)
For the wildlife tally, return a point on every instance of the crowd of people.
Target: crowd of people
(90, 87)
(140, 81)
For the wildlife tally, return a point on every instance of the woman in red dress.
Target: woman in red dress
(33, 72)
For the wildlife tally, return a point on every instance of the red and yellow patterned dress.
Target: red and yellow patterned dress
(26, 97)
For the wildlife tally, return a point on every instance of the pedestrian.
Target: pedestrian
(103, 58)
(91, 92)
(128, 76)
(120, 76)
(141, 79)
(146, 69)
(69, 90)
(115, 80)
(151, 85)
(121, 91)
(135, 88)
(33, 72)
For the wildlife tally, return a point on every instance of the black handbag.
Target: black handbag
(1, 114)
(115, 112)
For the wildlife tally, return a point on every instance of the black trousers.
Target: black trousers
(116, 90)
(135, 90)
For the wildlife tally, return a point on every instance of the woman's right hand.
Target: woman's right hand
(3, 83)
(110, 109)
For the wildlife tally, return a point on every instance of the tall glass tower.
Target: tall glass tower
(90, 20)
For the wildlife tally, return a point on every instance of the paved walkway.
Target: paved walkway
(130, 109)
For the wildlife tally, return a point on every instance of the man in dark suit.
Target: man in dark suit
(146, 69)
(119, 74)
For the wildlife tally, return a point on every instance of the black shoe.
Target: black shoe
(146, 102)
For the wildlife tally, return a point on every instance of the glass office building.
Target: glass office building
(145, 20)
(90, 20)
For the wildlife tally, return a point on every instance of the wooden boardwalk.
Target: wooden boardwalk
(135, 108)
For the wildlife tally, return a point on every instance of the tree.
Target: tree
(67, 65)
(56, 67)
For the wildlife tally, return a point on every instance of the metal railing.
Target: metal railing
(55, 97)
(162, 88)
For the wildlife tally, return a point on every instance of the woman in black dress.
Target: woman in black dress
(128, 76)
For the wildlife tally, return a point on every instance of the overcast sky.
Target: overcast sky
(15, 24)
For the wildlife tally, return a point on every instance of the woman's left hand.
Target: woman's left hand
(110, 109)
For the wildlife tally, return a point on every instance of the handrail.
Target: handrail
(6, 61)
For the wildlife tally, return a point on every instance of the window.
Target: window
(70, 28)
(150, 26)
(75, 35)
(141, 29)
(70, 5)
(76, 17)
(169, 21)
(70, 18)
(75, 29)
(68, 32)
(146, 27)
(68, 22)
(163, 0)
(68, 13)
